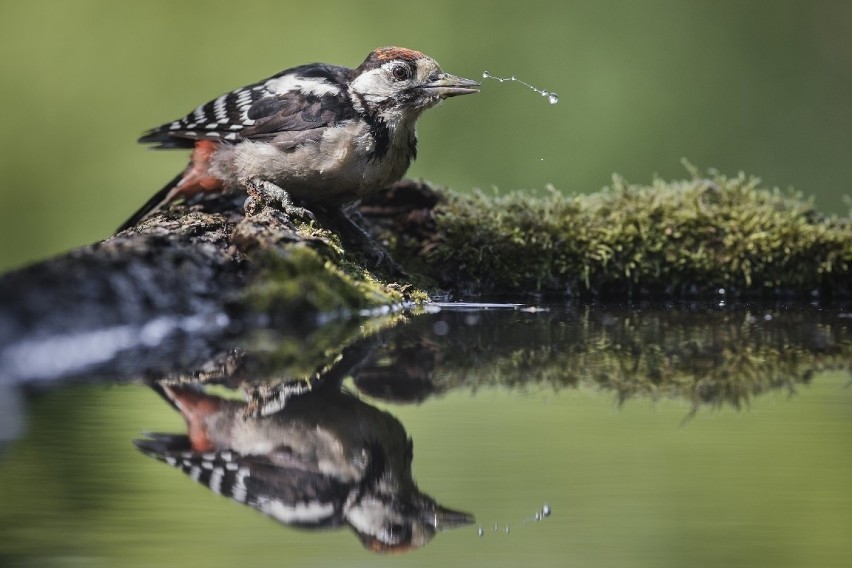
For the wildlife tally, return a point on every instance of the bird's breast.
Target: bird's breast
(353, 156)
(333, 165)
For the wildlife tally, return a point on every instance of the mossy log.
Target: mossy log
(696, 238)
(667, 240)
(194, 274)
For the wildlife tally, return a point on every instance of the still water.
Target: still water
(658, 435)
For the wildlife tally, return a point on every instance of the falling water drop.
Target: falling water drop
(552, 97)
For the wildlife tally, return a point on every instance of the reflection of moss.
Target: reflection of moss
(294, 355)
(716, 357)
(667, 238)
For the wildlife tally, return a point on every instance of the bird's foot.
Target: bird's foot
(265, 400)
(262, 191)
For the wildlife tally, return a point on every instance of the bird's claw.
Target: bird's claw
(261, 191)
(265, 400)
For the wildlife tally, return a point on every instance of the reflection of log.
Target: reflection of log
(206, 260)
(704, 355)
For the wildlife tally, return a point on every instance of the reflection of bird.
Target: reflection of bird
(325, 460)
(317, 132)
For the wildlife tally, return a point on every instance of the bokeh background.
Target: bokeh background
(763, 87)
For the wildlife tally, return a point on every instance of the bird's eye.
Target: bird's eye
(400, 72)
(397, 533)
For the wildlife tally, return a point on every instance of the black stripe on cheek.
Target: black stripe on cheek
(378, 130)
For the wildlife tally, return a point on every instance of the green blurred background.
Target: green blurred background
(752, 85)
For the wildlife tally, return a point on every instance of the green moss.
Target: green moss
(668, 238)
(299, 287)
(296, 282)
(690, 237)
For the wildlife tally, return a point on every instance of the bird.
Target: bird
(317, 133)
(325, 459)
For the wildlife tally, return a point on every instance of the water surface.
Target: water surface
(699, 435)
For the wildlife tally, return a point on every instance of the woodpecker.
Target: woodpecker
(325, 460)
(315, 133)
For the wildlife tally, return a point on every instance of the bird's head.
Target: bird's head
(395, 83)
(403, 523)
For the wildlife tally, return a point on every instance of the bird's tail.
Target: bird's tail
(158, 200)
(160, 446)
(197, 407)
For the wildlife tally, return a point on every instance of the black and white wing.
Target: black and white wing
(291, 495)
(302, 98)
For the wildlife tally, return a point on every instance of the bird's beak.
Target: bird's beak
(442, 518)
(447, 85)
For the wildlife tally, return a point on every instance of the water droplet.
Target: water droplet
(552, 97)
(480, 531)
(546, 510)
